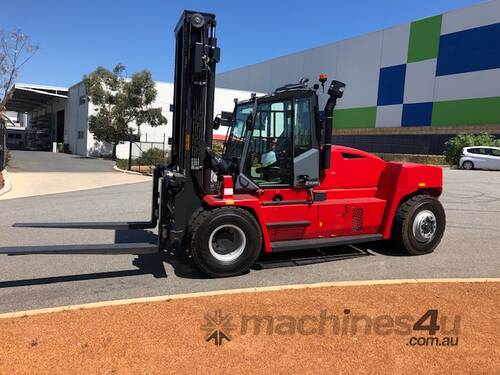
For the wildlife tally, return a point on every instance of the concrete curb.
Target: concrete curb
(6, 183)
(128, 172)
(93, 305)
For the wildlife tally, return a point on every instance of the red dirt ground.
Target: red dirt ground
(166, 337)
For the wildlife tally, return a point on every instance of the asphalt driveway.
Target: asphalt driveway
(34, 173)
(470, 248)
(41, 161)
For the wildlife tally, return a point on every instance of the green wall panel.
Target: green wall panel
(482, 111)
(348, 118)
(424, 39)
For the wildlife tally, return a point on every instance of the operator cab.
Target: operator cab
(273, 142)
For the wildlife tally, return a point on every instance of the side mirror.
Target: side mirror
(225, 119)
(336, 89)
(249, 122)
(228, 116)
(217, 123)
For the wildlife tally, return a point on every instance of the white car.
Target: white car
(480, 157)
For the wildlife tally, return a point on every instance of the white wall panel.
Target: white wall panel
(76, 119)
(486, 13)
(233, 79)
(283, 70)
(480, 84)
(359, 67)
(321, 60)
(389, 116)
(419, 81)
(395, 45)
(250, 78)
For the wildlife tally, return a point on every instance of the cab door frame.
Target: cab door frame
(288, 212)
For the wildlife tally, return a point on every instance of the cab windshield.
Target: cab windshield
(236, 139)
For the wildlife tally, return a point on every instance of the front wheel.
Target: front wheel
(468, 165)
(419, 225)
(225, 241)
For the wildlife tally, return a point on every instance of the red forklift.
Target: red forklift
(279, 185)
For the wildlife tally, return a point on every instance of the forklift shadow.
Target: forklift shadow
(154, 263)
(145, 264)
(381, 248)
(328, 254)
(309, 256)
(183, 267)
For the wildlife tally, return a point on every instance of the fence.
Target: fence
(143, 155)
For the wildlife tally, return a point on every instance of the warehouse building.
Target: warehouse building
(409, 88)
(79, 140)
(40, 111)
(60, 116)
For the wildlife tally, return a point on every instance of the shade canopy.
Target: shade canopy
(26, 98)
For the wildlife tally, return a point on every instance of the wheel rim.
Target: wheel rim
(468, 165)
(424, 226)
(227, 242)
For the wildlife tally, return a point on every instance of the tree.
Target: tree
(15, 51)
(120, 103)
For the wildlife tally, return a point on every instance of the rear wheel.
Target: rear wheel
(419, 225)
(225, 241)
(468, 165)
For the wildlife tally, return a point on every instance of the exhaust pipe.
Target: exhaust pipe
(335, 91)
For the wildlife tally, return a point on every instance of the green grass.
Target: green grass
(122, 163)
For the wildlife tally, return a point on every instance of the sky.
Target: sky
(74, 37)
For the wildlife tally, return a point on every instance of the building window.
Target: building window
(83, 99)
(80, 134)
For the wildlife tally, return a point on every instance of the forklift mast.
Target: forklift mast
(196, 57)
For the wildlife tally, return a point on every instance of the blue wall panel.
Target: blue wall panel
(391, 85)
(418, 114)
(469, 50)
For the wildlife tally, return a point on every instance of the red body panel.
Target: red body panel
(361, 194)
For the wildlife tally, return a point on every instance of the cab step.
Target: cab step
(313, 243)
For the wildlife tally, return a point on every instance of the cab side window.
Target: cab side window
(302, 126)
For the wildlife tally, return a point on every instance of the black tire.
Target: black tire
(468, 165)
(413, 231)
(207, 242)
